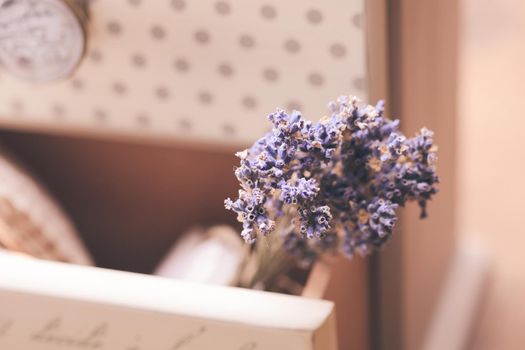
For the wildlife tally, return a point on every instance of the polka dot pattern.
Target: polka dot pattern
(316, 79)
(158, 32)
(268, 12)
(202, 36)
(228, 129)
(205, 97)
(58, 111)
(162, 93)
(119, 88)
(77, 84)
(184, 123)
(338, 50)
(246, 41)
(225, 69)
(114, 27)
(270, 74)
(178, 5)
(222, 7)
(357, 20)
(17, 106)
(182, 65)
(293, 106)
(359, 84)
(292, 45)
(143, 119)
(95, 55)
(249, 102)
(138, 60)
(314, 16)
(207, 70)
(100, 114)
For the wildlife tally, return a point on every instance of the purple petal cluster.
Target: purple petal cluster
(251, 212)
(338, 181)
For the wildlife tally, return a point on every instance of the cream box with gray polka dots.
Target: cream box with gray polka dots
(203, 71)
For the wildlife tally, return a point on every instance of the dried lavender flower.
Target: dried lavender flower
(339, 181)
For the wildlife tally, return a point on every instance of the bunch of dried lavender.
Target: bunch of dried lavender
(312, 189)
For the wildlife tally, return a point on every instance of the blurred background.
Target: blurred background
(139, 157)
(490, 164)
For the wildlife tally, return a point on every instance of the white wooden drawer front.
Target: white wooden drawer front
(48, 305)
(207, 71)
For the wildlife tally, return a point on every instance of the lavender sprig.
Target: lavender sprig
(339, 180)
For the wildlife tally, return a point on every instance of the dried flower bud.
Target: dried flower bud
(349, 172)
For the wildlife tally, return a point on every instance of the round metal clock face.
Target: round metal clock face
(40, 40)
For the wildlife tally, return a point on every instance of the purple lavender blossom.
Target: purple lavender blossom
(339, 181)
(302, 192)
(251, 212)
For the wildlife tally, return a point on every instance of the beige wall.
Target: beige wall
(492, 120)
(491, 159)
